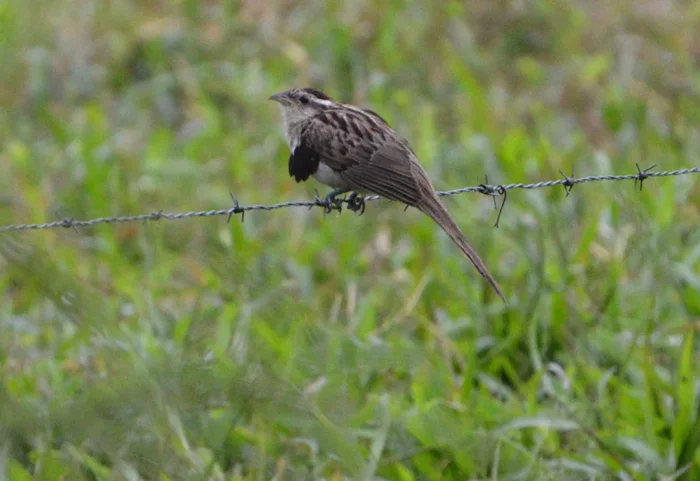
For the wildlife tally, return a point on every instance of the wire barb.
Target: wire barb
(494, 191)
(237, 209)
(502, 192)
(486, 182)
(642, 175)
(568, 181)
(321, 203)
(328, 206)
(67, 223)
(488, 190)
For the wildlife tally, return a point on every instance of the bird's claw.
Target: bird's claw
(330, 203)
(333, 202)
(356, 203)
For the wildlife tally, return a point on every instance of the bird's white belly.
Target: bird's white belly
(328, 176)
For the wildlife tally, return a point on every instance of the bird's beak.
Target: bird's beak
(280, 97)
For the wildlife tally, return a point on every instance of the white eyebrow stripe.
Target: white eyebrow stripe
(324, 102)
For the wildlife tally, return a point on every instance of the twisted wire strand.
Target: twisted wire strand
(492, 190)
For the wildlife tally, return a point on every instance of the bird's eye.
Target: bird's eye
(304, 99)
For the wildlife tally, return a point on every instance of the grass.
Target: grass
(296, 347)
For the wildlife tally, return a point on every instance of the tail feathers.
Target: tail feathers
(432, 207)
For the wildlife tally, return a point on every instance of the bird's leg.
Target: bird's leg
(356, 203)
(331, 197)
(332, 200)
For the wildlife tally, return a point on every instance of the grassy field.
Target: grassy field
(297, 347)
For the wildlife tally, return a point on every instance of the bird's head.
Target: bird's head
(300, 104)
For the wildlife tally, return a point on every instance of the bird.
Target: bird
(352, 149)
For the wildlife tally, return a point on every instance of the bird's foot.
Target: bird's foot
(356, 203)
(331, 202)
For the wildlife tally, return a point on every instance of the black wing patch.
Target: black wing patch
(303, 162)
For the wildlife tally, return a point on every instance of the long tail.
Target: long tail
(431, 206)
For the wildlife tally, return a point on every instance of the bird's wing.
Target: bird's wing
(388, 173)
(371, 158)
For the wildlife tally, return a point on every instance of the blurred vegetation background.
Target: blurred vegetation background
(294, 347)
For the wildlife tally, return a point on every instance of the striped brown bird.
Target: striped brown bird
(354, 150)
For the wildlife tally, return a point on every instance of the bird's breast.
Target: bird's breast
(328, 176)
(292, 129)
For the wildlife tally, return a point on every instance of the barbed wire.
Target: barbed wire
(351, 203)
